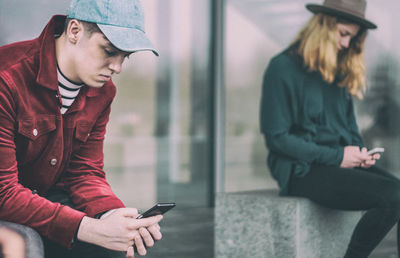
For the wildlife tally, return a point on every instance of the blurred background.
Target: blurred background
(185, 125)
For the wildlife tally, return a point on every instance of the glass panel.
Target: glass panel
(158, 133)
(157, 141)
(183, 120)
(157, 146)
(256, 31)
(378, 112)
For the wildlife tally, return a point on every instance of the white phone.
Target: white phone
(375, 150)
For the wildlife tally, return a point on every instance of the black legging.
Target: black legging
(373, 190)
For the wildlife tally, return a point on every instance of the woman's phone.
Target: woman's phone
(375, 150)
(159, 208)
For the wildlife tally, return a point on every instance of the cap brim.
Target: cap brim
(127, 39)
(315, 8)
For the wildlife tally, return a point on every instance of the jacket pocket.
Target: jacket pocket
(83, 129)
(35, 138)
(34, 128)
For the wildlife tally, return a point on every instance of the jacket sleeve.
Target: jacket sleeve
(17, 203)
(280, 103)
(85, 177)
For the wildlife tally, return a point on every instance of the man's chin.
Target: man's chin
(96, 84)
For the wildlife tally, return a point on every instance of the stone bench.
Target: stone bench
(263, 224)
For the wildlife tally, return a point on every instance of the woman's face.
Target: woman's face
(345, 32)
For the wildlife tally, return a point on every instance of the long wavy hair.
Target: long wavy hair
(317, 45)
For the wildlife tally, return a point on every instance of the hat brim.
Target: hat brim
(127, 39)
(315, 8)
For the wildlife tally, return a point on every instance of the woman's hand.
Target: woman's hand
(354, 157)
(371, 159)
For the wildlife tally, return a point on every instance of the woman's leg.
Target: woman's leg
(372, 190)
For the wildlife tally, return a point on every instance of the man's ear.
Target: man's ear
(74, 31)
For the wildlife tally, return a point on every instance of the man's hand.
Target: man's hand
(120, 231)
(353, 157)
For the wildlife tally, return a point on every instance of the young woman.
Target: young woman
(307, 118)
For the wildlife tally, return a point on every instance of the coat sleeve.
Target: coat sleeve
(85, 178)
(280, 103)
(17, 203)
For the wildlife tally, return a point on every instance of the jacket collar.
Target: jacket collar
(47, 74)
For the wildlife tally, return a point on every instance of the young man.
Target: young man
(55, 97)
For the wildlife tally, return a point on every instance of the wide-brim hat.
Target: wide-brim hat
(352, 10)
(121, 21)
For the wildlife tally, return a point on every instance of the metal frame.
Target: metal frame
(217, 130)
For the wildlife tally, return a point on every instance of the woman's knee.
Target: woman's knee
(391, 196)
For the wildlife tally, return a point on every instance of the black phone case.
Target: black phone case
(159, 208)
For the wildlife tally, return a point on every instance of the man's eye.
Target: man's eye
(110, 52)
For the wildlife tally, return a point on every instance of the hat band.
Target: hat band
(346, 9)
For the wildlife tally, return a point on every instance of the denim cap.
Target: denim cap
(121, 21)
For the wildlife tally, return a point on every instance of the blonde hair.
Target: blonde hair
(317, 45)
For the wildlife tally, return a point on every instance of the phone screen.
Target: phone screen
(159, 208)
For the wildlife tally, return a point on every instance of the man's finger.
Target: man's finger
(155, 232)
(141, 249)
(147, 222)
(148, 240)
(130, 252)
(128, 212)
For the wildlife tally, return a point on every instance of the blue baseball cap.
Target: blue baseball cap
(121, 21)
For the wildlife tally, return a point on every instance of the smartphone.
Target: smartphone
(159, 208)
(375, 150)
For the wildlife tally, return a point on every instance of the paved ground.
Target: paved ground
(187, 233)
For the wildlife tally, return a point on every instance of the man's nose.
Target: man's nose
(116, 65)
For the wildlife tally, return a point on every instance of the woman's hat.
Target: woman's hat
(352, 10)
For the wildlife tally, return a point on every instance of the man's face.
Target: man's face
(97, 60)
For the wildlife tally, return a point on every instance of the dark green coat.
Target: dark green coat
(304, 119)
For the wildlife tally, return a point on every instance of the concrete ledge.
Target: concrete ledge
(33, 242)
(263, 224)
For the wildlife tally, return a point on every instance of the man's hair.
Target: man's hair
(317, 44)
(90, 27)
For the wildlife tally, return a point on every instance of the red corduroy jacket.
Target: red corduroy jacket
(41, 149)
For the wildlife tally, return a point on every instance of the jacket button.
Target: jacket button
(35, 132)
(34, 191)
(53, 162)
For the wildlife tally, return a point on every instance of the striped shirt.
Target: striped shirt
(68, 91)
